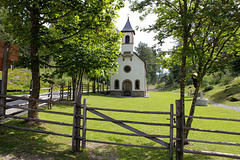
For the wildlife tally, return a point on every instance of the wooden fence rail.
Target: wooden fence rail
(80, 129)
(122, 123)
(180, 137)
(73, 136)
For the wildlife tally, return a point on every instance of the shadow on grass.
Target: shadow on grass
(107, 95)
(31, 145)
(188, 98)
(136, 153)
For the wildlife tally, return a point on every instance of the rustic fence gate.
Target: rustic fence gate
(121, 123)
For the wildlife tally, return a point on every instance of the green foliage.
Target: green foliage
(236, 81)
(79, 27)
(208, 88)
(149, 55)
(207, 32)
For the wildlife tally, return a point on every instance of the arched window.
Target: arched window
(127, 39)
(116, 84)
(137, 84)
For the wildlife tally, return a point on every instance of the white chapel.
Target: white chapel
(130, 79)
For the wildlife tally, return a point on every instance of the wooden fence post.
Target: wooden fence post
(4, 77)
(84, 123)
(88, 88)
(180, 131)
(70, 94)
(31, 86)
(62, 90)
(51, 96)
(76, 136)
(82, 87)
(171, 133)
(97, 86)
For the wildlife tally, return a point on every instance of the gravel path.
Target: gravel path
(224, 106)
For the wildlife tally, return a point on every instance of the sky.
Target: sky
(135, 21)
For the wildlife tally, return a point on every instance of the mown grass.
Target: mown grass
(28, 144)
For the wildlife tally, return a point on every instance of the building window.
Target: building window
(116, 84)
(127, 69)
(127, 39)
(137, 84)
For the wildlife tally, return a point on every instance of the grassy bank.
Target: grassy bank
(219, 93)
(27, 144)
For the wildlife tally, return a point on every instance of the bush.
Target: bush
(226, 79)
(208, 88)
(236, 81)
(232, 99)
(227, 86)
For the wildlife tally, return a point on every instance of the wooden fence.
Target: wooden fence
(123, 124)
(66, 90)
(80, 129)
(74, 136)
(49, 93)
(180, 135)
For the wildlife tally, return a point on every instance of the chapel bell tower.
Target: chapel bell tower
(128, 39)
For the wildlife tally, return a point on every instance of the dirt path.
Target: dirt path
(224, 106)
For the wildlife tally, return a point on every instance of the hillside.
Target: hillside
(228, 94)
(20, 79)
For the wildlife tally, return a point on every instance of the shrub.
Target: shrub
(227, 86)
(208, 88)
(236, 81)
(232, 99)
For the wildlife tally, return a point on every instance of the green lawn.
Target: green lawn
(31, 145)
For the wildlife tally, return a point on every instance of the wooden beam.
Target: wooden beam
(129, 128)
(4, 77)
(212, 153)
(180, 131)
(171, 133)
(84, 123)
(123, 144)
(35, 130)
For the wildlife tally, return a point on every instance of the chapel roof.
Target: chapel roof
(128, 27)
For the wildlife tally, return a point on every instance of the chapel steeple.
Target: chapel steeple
(128, 38)
(128, 27)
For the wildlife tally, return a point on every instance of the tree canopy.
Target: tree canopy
(208, 32)
(149, 55)
(30, 22)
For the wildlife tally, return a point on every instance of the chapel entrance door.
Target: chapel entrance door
(127, 88)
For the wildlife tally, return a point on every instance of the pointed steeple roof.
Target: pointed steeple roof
(128, 27)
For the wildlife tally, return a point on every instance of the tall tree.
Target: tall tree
(206, 29)
(28, 22)
(94, 51)
(149, 55)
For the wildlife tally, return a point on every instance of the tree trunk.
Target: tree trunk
(182, 82)
(191, 113)
(94, 85)
(34, 44)
(74, 86)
